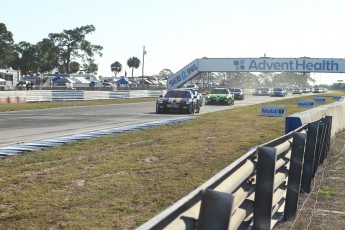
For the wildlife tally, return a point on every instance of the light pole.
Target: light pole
(144, 53)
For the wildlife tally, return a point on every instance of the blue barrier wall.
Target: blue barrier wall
(336, 110)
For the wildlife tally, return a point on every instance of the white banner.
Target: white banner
(322, 65)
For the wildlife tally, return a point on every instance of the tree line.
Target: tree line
(68, 52)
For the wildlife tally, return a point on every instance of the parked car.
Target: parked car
(262, 91)
(279, 92)
(296, 91)
(177, 100)
(238, 93)
(220, 96)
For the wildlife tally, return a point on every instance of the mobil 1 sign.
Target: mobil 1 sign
(273, 111)
(338, 98)
(320, 99)
(306, 104)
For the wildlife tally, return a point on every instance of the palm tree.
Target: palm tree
(133, 62)
(116, 67)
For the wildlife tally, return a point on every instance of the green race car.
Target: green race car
(220, 96)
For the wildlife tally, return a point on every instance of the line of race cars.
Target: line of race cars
(190, 101)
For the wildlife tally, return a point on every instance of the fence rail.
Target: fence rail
(73, 95)
(258, 190)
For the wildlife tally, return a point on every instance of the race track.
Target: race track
(24, 126)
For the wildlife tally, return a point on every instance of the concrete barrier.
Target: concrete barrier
(3, 97)
(336, 110)
(20, 96)
(12, 97)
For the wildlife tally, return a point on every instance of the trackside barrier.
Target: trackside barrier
(20, 97)
(256, 191)
(38, 95)
(73, 95)
(336, 110)
(12, 97)
(3, 97)
(67, 95)
(96, 95)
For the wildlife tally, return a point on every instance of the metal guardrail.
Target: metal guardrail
(256, 191)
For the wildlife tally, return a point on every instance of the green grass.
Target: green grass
(121, 181)
(327, 192)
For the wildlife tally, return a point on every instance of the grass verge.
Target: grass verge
(59, 104)
(121, 181)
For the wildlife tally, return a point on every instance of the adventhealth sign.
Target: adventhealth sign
(298, 65)
(273, 111)
(264, 64)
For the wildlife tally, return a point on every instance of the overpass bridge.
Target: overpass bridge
(263, 64)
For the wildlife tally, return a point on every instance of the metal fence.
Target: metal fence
(258, 190)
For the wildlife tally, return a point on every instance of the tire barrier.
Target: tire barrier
(256, 191)
(45, 143)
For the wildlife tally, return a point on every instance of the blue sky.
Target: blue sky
(175, 32)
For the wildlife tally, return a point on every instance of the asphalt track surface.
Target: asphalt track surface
(24, 126)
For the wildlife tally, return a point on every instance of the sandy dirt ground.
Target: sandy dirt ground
(324, 207)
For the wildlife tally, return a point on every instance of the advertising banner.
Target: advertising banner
(338, 98)
(266, 64)
(306, 104)
(320, 99)
(273, 111)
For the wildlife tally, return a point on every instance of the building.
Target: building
(11, 78)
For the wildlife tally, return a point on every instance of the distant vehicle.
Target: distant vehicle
(279, 92)
(220, 96)
(214, 85)
(305, 90)
(296, 91)
(238, 93)
(317, 90)
(192, 86)
(262, 91)
(177, 100)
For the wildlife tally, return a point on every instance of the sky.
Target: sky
(176, 32)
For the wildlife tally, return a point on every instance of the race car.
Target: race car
(220, 96)
(238, 93)
(198, 95)
(177, 100)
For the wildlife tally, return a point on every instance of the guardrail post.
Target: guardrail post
(329, 120)
(215, 210)
(327, 137)
(294, 181)
(307, 173)
(265, 174)
(319, 142)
